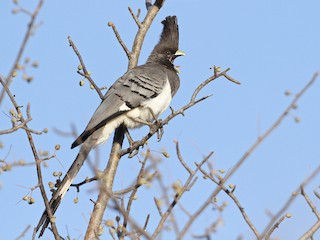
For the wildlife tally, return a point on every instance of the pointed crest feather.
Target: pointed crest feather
(170, 35)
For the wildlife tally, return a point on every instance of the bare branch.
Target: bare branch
(276, 225)
(177, 198)
(22, 48)
(126, 50)
(135, 17)
(36, 158)
(154, 129)
(133, 193)
(22, 235)
(290, 200)
(85, 71)
(156, 201)
(145, 25)
(181, 159)
(137, 228)
(310, 203)
(236, 201)
(87, 180)
(115, 155)
(308, 235)
(247, 154)
(317, 194)
(16, 127)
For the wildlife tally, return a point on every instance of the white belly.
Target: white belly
(158, 105)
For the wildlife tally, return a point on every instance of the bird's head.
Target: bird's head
(167, 50)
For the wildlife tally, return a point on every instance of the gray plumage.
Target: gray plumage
(140, 93)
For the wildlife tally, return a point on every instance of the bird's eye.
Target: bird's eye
(168, 52)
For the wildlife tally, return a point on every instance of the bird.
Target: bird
(135, 99)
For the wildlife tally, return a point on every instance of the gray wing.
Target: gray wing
(133, 88)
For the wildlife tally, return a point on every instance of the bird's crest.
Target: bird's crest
(170, 35)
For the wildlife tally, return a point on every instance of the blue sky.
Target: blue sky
(270, 46)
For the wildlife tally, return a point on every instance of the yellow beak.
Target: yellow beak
(179, 53)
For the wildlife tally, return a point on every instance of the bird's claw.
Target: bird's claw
(158, 127)
(133, 153)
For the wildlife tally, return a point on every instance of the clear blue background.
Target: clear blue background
(271, 46)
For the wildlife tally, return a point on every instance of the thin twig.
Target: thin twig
(290, 201)
(22, 235)
(16, 127)
(247, 154)
(37, 161)
(177, 197)
(135, 17)
(126, 50)
(156, 201)
(317, 194)
(308, 235)
(276, 225)
(130, 220)
(115, 155)
(87, 180)
(133, 193)
(145, 25)
(181, 159)
(173, 114)
(310, 203)
(165, 194)
(22, 47)
(85, 71)
(236, 201)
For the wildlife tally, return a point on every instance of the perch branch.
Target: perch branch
(173, 114)
(115, 155)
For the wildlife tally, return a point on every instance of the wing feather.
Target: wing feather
(134, 88)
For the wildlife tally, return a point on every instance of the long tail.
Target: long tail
(65, 184)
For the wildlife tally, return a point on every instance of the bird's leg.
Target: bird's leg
(131, 142)
(158, 124)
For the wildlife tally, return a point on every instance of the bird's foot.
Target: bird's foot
(130, 140)
(133, 153)
(131, 144)
(158, 127)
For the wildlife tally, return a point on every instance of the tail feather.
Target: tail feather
(64, 186)
(82, 138)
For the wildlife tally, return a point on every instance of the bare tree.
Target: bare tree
(125, 225)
